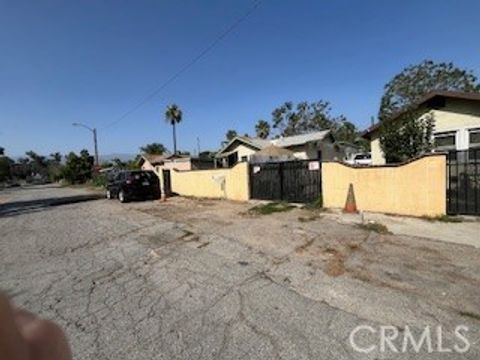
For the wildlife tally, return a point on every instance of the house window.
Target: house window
(444, 141)
(474, 137)
(244, 158)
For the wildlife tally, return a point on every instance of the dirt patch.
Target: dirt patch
(434, 271)
(309, 218)
(336, 264)
(375, 227)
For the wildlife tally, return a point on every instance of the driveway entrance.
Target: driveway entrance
(291, 181)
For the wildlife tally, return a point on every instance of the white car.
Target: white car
(360, 159)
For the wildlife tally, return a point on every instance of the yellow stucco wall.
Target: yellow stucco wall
(229, 184)
(417, 188)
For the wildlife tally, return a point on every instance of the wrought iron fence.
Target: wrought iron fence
(463, 182)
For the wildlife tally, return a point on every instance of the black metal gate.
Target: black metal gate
(167, 183)
(291, 181)
(463, 182)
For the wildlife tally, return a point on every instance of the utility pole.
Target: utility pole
(95, 142)
(198, 146)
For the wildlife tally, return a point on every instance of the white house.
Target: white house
(316, 145)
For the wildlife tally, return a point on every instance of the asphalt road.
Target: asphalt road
(128, 285)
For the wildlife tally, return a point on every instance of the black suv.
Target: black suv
(133, 185)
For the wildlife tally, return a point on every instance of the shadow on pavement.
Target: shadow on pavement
(29, 206)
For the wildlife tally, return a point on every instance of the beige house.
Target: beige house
(169, 162)
(316, 145)
(456, 117)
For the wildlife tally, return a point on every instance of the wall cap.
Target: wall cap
(213, 169)
(444, 154)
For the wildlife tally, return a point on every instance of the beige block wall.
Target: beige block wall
(417, 188)
(229, 184)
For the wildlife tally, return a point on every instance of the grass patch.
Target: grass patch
(443, 218)
(315, 205)
(375, 227)
(270, 208)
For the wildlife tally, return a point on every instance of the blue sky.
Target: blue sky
(91, 61)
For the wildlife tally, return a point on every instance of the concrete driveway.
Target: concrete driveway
(192, 279)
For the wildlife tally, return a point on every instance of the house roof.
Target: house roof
(273, 150)
(154, 159)
(287, 141)
(255, 143)
(300, 139)
(160, 159)
(430, 96)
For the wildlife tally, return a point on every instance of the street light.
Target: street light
(94, 132)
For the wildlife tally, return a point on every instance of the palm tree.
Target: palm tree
(262, 128)
(173, 116)
(154, 148)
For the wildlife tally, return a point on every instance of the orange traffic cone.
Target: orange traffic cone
(350, 204)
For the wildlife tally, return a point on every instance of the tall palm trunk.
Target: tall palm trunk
(174, 140)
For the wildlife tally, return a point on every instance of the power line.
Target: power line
(187, 66)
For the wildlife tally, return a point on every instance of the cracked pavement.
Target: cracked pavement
(125, 284)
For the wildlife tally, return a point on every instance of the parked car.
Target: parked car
(360, 159)
(129, 185)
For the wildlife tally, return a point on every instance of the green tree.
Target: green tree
(22, 168)
(407, 138)
(38, 163)
(173, 115)
(78, 168)
(416, 81)
(207, 154)
(116, 162)
(154, 148)
(5, 165)
(56, 157)
(55, 167)
(262, 129)
(290, 119)
(230, 134)
(345, 131)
